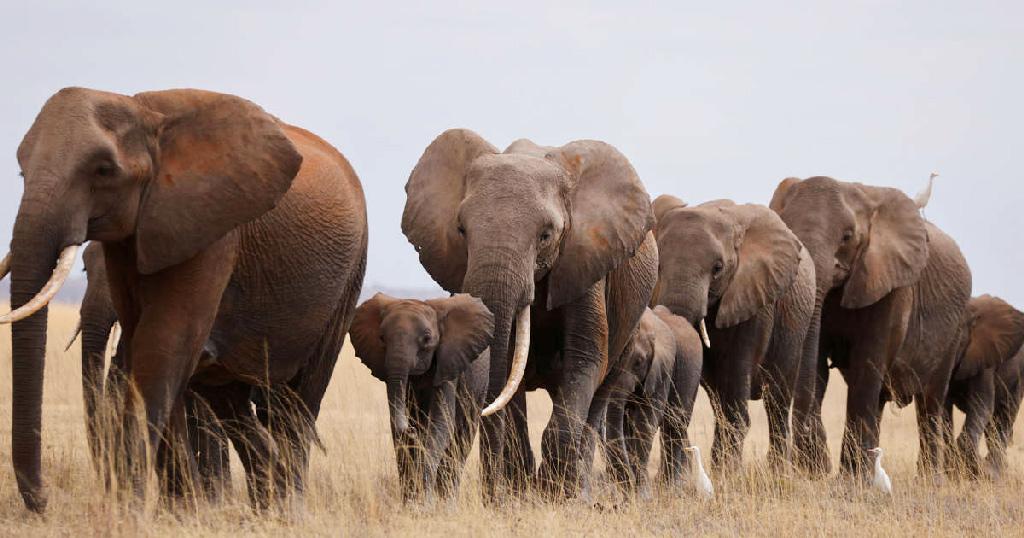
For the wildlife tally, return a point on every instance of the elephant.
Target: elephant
(663, 355)
(891, 290)
(993, 334)
(741, 267)
(432, 355)
(560, 236)
(235, 247)
(1008, 393)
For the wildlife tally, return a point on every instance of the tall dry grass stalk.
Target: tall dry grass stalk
(353, 485)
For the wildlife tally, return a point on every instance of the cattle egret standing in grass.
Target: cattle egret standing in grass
(880, 480)
(922, 197)
(700, 478)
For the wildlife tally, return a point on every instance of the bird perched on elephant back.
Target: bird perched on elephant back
(432, 356)
(556, 243)
(891, 290)
(662, 357)
(235, 247)
(739, 266)
(993, 332)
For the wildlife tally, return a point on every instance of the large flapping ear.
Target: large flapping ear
(611, 214)
(366, 333)
(467, 327)
(782, 193)
(768, 257)
(222, 162)
(434, 191)
(665, 203)
(896, 249)
(995, 333)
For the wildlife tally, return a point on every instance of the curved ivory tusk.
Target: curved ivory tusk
(5, 265)
(74, 335)
(60, 273)
(515, 375)
(115, 339)
(704, 334)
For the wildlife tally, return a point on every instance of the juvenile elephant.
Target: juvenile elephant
(655, 382)
(235, 246)
(427, 354)
(1009, 391)
(743, 269)
(891, 292)
(559, 236)
(993, 332)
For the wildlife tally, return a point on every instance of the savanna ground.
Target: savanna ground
(352, 486)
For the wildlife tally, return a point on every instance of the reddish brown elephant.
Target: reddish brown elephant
(235, 246)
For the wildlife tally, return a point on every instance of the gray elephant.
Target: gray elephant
(891, 293)
(235, 248)
(686, 376)
(740, 267)
(662, 357)
(432, 356)
(993, 335)
(554, 236)
(1008, 393)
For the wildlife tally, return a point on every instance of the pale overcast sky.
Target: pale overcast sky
(709, 100)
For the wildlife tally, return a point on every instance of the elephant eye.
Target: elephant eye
(105, 169)
(847, 235)
(717, 268)
(462, 231)
(545, 235)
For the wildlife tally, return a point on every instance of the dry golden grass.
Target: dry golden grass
(353, 485)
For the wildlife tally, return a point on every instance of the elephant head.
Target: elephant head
(398, 338)
(739, 258)
(866, 240)
(166, 172)
(994, 334)
(497, 225)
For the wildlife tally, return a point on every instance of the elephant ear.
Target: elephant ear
(222, 162)
(665, 203)
(434, 191)
(781, 194)
(995, 333)
(467, 327)
(896, 249)
(366, 333)
(768, 257)
(611, 214)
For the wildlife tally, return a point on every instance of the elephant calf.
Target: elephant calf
(426, 352)
(981, 387)
(655, 382)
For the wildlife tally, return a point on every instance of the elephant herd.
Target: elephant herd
(230, 247)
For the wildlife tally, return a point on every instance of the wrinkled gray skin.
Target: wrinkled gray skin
(741, 268)
(891, 292)
(562, 231)
(235, 246)
(686, 376)
(432, 355)
(1008, 392)
(993, 332)
(97, 316)
(655, 363)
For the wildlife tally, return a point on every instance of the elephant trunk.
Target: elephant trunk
(397, 390)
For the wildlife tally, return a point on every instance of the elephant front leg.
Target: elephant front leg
(999, 432)
(642, 419)
(980, 403)
(438, 436)
(810, 441)
(862, 419)
(729, 386)
(615, 443)
(585, 357)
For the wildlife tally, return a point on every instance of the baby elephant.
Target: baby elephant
(427, 353)
(654, 383)
(986, 381)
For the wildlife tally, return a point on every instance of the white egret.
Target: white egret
(700, 478)
(880, 480)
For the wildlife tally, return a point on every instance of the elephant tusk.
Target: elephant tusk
(704, 334)
(60, 273)
(74, 335)
(515, 375)
(115, 339)
(5, 265)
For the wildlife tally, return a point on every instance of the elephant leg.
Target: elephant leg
(232, 405)
(810, 439)
(930, 424)
(674, 439)
(597, 421)
(439, 434)
(980, 403)
(517, 454)
(999, 432)
(642, 421)
(862, 417)
(778, 398)
(584, 355)
(616, 452)
(176, 462)
(945, 432)
(466, 422)
(209, 444)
